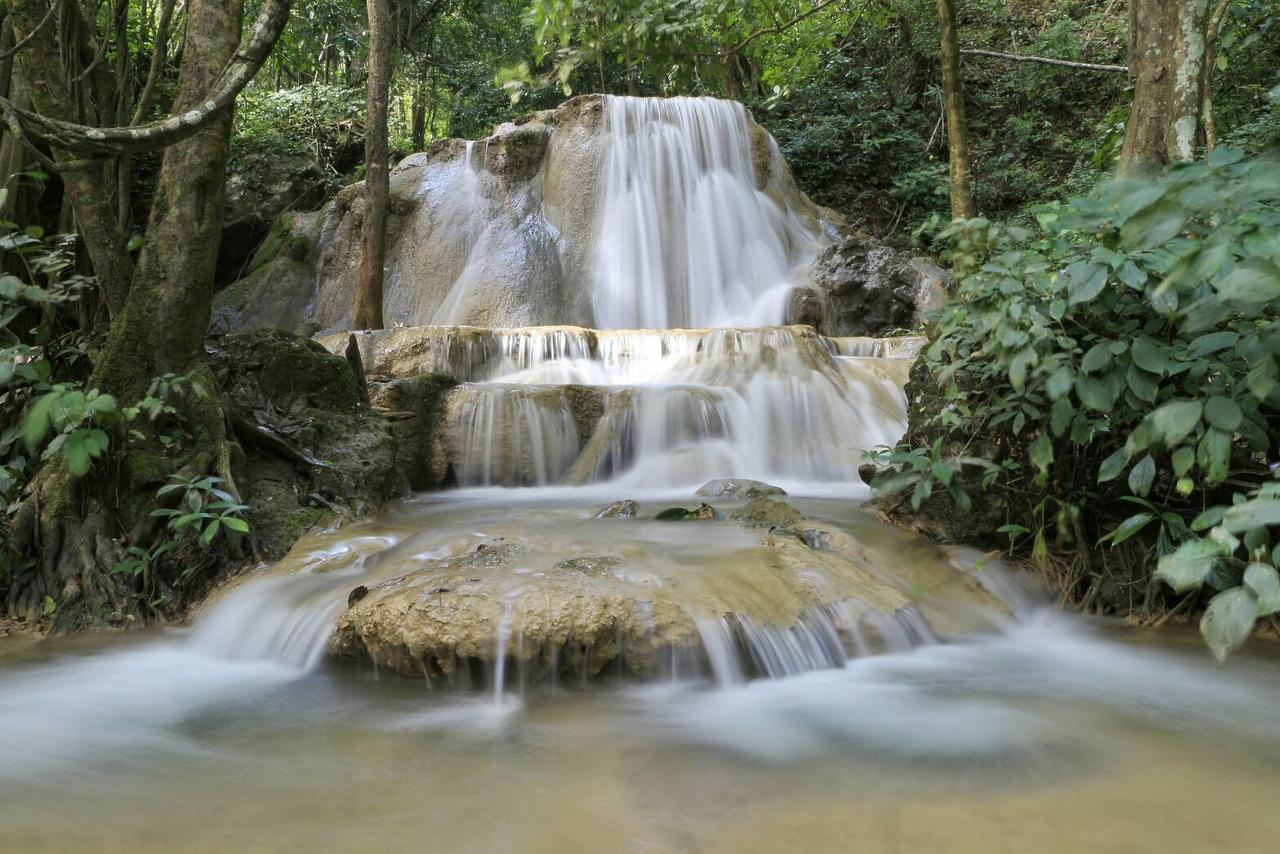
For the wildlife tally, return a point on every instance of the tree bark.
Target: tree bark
(1167, 50)
(1210, 60)
(162, 327)
(89, 188)
(418, 119)
(373, 234)
(953, 95)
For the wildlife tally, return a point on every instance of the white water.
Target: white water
(687, 238)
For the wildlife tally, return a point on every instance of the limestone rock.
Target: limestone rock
(420, 453)
(733, 487)
(766, 513)
(619, 510)
(862, 287)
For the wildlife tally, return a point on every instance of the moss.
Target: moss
(283, 238)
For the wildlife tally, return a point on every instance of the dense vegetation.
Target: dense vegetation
(1110, 361)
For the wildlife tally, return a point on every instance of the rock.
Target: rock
(546, 613)
(870, 289)
(309, 452)
(261, 189)
(357, 593)
(702, 512)
(766, 513)
(732, 487)
(276, 284)
(420, 452)
(619, 510)
(867, 472)
(590, 564)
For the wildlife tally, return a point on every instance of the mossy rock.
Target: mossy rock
(766, 513)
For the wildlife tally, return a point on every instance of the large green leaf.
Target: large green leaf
(1214, 455)
(1176, 419)
(1223, 413)
(1251, 283)
(1085, 281)
(1149, 355)
(1142, 476)
(1252, 514)
(1097, 359)
(1264, 582)
(1189, 567)
(1228, 620)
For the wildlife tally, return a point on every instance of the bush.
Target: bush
(1124, 363)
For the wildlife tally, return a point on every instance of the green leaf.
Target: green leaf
(1085, 281)
(1060, 415)
(1257, 513)
(1143, 384)
(1251, 283)
(1149, 355)
(1208, 519)
(240, 526)
(210, 532)
(1214, 455)
(1097, 359)
(1189, 566)
(1094, 394)
(1264, 582)
(1183, 459)
(1228, 621)
(1142, 476)
(1112, 466)
(1129, 527)
(1059, 383)
(1041, 452)
(1223, 413)
(1214, 342)
(1176, 419)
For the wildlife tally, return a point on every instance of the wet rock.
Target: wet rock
(702, 512)
(733, 487)
(307, 452)
(871, 289)
(357, 594)
(867, 472)
(420, 452)
(590, 564)
(766, 513)
(619, 510)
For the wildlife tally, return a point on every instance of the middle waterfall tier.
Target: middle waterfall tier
(565, 405)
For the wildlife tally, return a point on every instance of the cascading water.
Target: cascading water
(688, 236)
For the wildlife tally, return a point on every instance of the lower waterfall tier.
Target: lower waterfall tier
(565, 405)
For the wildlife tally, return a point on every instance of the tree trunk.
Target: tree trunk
(90, 187)
(373, 234)
(953, 94)
(1167, 66)
(418, 119)
(1210, 59)
(71, 523)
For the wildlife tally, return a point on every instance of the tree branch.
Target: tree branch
(1044, 60)
(159, 50)
(244, 64)
(26, 40)
(784, 26)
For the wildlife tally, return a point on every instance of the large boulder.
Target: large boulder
(544, 612)
(861, 287)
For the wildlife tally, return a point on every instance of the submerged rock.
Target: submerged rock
(702, 512)
(619, 510)
(766, 513)
(590, 564)
(733, 487)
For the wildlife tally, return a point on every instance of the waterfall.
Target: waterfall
(688, 235)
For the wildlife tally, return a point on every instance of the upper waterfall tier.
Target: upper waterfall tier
(605, 212)
(686, 236)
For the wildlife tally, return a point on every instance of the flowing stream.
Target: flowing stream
(851, 688)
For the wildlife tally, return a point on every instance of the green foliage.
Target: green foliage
(1129, 354)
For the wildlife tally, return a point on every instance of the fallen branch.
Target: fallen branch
(1044, 60)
